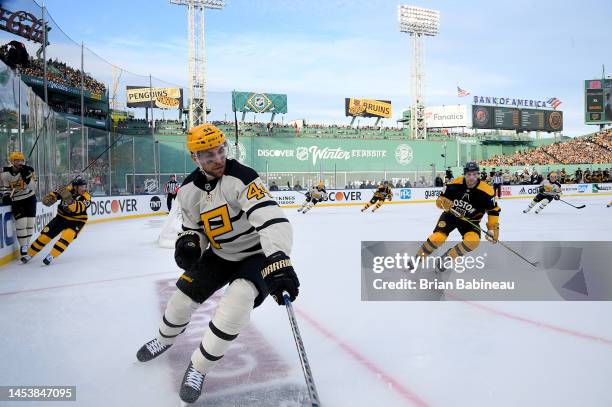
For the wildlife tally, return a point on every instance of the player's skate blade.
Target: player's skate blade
(151, 350)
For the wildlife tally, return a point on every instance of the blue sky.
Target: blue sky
(319, 52)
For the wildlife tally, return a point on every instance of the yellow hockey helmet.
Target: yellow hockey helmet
(16, 155)
(321, 184)
(552, 174)
(204, 137)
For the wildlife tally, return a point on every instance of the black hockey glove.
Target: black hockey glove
(6, 199)
(26, 175)
(187, 250)
(279, 275)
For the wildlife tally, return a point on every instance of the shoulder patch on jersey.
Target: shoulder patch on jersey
(242, 172)
(486, 188)
(456, 181)
(189, 178)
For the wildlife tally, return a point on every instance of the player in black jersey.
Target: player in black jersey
(465, 198)
(382, 193)
(68, 223)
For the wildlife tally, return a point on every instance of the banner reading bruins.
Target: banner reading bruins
(163, 98)
(367, 108)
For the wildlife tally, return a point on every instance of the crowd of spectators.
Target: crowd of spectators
(532, 176)
(594, 149)
(60, 72)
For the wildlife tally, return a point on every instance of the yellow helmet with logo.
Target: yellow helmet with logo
(16, 155)
(321, 184)
(552, 174)
(203, 137)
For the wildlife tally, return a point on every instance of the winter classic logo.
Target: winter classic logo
(155, 203)
(403, 154)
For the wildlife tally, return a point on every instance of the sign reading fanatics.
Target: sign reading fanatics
(367, 108)
(491, 100)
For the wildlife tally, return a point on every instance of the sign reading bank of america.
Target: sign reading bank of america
(514, 102)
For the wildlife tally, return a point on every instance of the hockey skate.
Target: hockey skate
(25, 259)
(191, 387)
(47, 260)
(151, 350)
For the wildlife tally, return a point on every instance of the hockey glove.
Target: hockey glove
(187, 250)
(444, 203)
(26, 175)
(6, 199)
(66, 193)
(279, 275)
(492, 234)
(49, 199)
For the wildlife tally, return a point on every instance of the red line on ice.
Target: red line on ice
(544, 325)
(30, 290)
(396, 385)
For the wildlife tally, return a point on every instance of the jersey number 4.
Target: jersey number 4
(214, 227)
(257, 192)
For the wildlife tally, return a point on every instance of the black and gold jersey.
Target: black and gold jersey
(474, 201)
(383, 192)
(75, 210)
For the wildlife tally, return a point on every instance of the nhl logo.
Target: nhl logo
(150, 185)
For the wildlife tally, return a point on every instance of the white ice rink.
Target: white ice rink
(81, 320)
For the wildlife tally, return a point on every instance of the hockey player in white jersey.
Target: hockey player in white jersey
(549, 189)
(17, 186)
(234, 233)
(315, 194)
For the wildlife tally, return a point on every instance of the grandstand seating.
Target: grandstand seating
(592, 149)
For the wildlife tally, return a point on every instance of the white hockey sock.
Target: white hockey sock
(30, 228)
(176, 317)
(542, 205)
(233, 313)
(21, 226)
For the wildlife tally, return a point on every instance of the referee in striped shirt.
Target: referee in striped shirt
(171, 188)
(497, 183)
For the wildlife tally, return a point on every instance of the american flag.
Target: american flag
(462, 93)
(554, 102)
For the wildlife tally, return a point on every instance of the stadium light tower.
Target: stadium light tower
(197, 56)
(418, 22)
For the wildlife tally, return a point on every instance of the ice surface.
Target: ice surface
(81, 320)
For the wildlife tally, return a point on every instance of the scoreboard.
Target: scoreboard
(510, 118)
(598, 101)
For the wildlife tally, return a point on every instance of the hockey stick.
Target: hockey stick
(573, 206)
(533, 263)
(310, 385)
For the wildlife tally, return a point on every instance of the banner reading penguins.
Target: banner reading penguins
(367, 108)
(163, 98)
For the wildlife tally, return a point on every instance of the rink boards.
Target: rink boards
(110, 208)
(348, 197)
